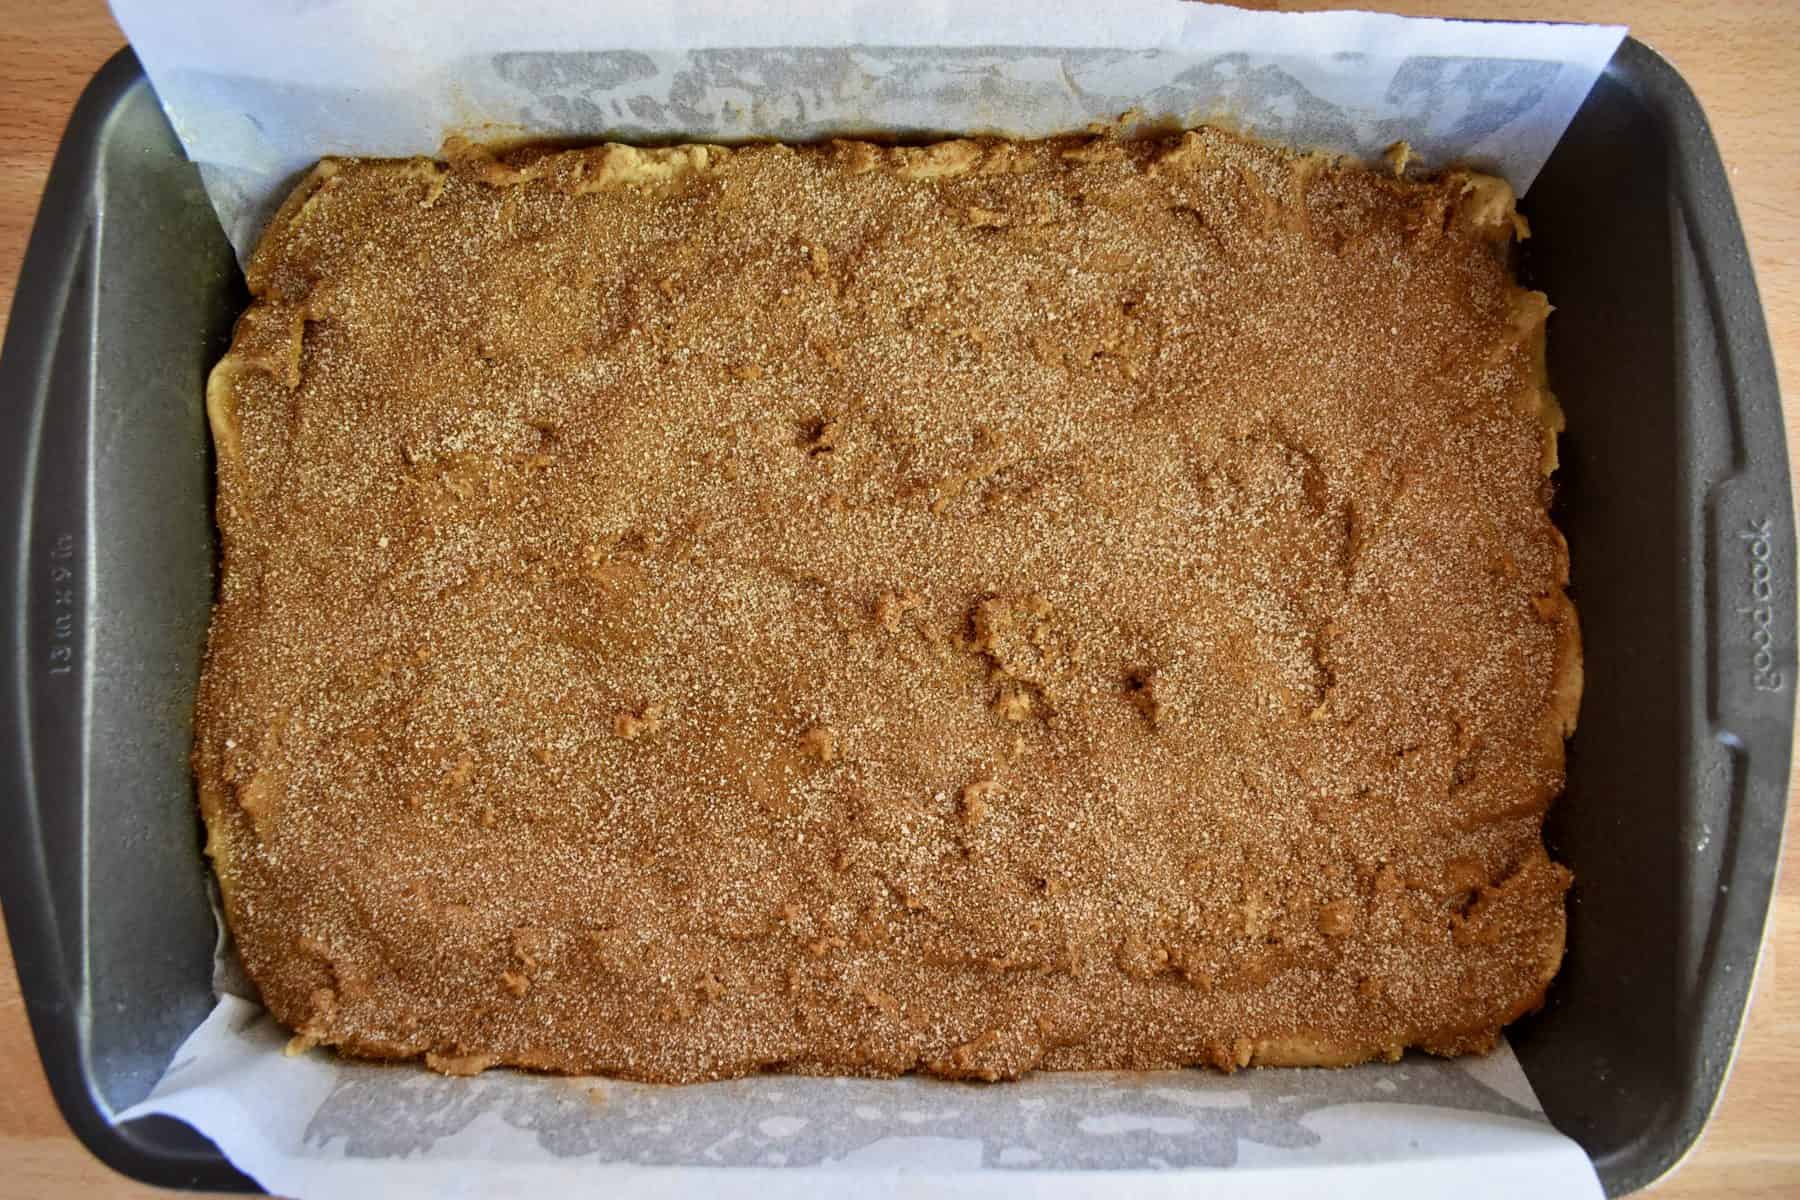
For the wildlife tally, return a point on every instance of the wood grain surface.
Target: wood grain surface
(1741, 57)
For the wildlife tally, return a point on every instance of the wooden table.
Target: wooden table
(1739, 55)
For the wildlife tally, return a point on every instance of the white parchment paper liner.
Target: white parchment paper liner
(260, 89)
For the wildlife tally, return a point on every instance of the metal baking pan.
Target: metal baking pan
(1674, 493)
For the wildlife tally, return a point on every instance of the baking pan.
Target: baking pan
(1674, 494)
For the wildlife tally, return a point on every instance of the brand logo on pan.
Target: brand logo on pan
(1761, 610)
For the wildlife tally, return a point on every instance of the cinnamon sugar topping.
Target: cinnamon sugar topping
(964, 608)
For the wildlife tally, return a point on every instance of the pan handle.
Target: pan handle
(52, 369)
(46, 381)
(1741, 529)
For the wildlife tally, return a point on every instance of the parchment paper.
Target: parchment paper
(260, 89)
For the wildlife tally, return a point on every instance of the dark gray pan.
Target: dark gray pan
(1674, 493)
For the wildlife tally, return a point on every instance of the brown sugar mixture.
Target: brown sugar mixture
(969, 608)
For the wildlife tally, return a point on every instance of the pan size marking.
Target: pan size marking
(63, 606)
